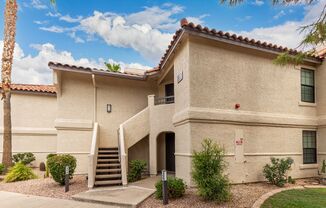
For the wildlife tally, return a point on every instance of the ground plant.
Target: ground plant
(2, 168)
(25, 158)
(47, 172)
(136, 169)
(176, 188)
(57, 165)
(19, 172)
(275, 172)
(208, 172)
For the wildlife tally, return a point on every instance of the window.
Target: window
(309, 147)
(307, 85)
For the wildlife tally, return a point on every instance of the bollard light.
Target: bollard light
(67, 179)
(165, 187)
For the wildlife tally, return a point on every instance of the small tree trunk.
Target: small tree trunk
(10, 18)
(7, 144)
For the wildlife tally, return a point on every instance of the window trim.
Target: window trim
(303, 102)
(316, 153)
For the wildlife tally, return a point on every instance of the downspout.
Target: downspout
(95, 99)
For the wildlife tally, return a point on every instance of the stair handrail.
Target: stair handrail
(122, 155)
(93, 156)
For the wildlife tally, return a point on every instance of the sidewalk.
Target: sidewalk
(15, 200)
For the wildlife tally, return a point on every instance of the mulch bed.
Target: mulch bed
(243, 196)
(46, 187)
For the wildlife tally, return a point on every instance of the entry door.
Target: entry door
(170, 149)
(169, 91)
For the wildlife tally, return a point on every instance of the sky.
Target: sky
(135, 33)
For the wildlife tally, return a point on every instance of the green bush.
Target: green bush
(2, 168)
(47, 173)
(136, 169)
(25, 158)
(208, 172)
(19, 172)
(291, 180)
(57, 165)
(176, 188)
(275, 172)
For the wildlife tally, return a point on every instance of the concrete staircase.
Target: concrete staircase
(108, 169)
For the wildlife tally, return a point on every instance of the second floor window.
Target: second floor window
(307, 85)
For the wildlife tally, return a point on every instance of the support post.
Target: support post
(67, 179)
(165, 187)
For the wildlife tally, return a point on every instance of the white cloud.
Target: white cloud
(280, 14)
(244, 19)
(68, 18)
(30, 69)
(286, 34)
(54, 29)
(258, 2)
(115, 31)
(50, 14)
(37, 4)
(197, 20)
(148, 31)
(38, 22)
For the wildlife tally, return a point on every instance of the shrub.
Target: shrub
(291, 180)
(136, 169)
(2, 168)
(275, 172)
(19, 172)
(25, 158)
(47, 174)
(57, 165)
(176, 188)
(208, 172)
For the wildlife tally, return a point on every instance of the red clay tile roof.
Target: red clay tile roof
(232, 37)
(126, 74)
(33, 88)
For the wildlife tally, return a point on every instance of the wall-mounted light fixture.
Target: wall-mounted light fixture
(109, 108)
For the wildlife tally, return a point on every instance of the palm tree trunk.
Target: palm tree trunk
(10, 18)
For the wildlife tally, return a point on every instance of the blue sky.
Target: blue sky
(135, 33)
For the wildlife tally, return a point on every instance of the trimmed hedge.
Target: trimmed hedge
(25, 158)
(176, 188)
(57, 165)
(136, 169)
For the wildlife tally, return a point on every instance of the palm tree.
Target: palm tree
(113, 67)
(10, 18)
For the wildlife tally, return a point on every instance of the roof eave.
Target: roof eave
(228, 41)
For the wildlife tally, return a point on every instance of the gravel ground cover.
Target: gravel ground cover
(243, 196)
(46, 187)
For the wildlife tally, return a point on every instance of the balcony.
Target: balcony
(163, 100)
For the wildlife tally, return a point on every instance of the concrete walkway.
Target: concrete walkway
(129, 196)
(15, 200)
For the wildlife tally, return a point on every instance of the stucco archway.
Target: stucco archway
(165, 151)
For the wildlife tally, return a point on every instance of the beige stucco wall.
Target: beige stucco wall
(270, 120)
(33, 116)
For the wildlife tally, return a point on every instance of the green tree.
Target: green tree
(112, 67)
(314, 33)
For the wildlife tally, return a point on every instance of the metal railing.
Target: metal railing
(164, 100)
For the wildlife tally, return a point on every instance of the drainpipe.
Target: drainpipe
(95, 98)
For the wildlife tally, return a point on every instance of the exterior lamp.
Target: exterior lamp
(109, 108)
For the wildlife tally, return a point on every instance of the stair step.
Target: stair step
(108, 176)
(108, 160)
(108, 165)
(106, 152)
(108, 183)
(108, 148)
(108, 156)
(111, 170)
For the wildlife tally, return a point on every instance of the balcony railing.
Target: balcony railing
(164, 100)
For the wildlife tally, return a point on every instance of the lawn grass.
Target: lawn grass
(302, 198)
